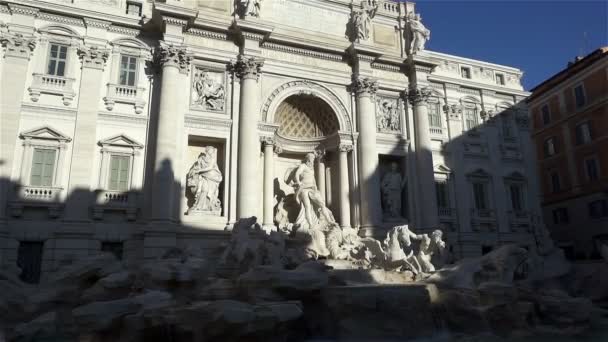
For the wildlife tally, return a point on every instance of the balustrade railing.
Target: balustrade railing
(54, 85)
(125, 94)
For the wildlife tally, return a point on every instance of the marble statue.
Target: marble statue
(361, 20)
(417, 33)
(387, 116)
(429, 246)
(203, 180)
(391, 186)
(209, 93)
(247, 8)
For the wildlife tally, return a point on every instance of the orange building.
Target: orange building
(569, 114)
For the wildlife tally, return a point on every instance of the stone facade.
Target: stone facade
(111, 109)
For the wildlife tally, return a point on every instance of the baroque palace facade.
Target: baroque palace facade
(135, 126)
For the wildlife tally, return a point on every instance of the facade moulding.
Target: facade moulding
(205, 122)
(337, 57)
(67, 20)
(453, 83)
(201, 32)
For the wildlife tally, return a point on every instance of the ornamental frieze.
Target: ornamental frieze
(208, 90)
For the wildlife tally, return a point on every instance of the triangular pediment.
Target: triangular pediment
(120, 140)
(440, 168)
(45, 133)
(479, 173)
(516, 176)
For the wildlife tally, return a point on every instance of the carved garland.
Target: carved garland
(93, 56)
(310, 88)
(18, 45)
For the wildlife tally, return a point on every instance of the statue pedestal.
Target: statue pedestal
(200, 212)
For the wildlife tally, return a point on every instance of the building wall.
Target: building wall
(578, 231)
(303, 55)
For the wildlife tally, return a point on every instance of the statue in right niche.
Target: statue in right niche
(391, 186)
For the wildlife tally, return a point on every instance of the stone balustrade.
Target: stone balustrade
(54, 85)
(125, 94)
(112, 200)
(37, 197)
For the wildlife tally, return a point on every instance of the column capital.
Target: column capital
(248, 67)
(418, 95)
(18, 45)
(169, 55)
(278, 149)
(267, 141)
(364, 86)
(345, 148)
(94, 57)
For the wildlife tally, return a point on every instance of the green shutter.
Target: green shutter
(119, 173)
(43, 167)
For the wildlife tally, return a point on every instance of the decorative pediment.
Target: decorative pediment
(479, 173)
(121, 140)
(58, 29)
(515, 176)
(470, 99)
(45, 133)
(440, 168)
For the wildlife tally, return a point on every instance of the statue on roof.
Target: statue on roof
(361, 20)
(416, 33)
(248, 8)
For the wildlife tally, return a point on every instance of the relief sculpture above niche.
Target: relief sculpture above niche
(208, 91)
(387, 115)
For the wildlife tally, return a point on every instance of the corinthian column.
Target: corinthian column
(174, 62)
(321, 183)
(248, 69)
(18, 50)
(371, 212)
(424, 158)
(344, 185)
(269, 146)
(85, 133)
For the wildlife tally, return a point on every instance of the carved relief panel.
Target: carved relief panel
(208, 90)
(388, 118)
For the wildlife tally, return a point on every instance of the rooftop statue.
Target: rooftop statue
(416, 33)
(361, 20)
(246, 8)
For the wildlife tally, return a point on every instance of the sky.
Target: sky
(539, 37)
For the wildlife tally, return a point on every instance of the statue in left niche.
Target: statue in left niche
(209, 92)
(248, 8)
(203, 182)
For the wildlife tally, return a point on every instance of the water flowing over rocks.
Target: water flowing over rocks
(263, 290)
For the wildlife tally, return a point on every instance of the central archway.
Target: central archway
(305, 116)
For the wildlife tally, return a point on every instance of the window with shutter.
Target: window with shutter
(442, 194)
(119, 173)
(434, 115)
(57, 60)
(128, 70)
(43, 167)
(516, 197)
(479, 191)
(470, 117)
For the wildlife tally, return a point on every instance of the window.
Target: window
(507, 128)
(470, 117)
(546, 115)
(598, 209)
(583, 133)
(119, 173)
(128, 70)
(500, 79)
(57, 60)
(465, 72)
(555, 182)
(579, 96)
(434, 115)
(550, 147)
(560, 216)
(517, 197)
(441, 189)
(481, 196)
(29, 260)
(133, 8)
(591, 168)
(43, 167)
(115, 248)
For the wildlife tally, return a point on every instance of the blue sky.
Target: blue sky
(539, 37)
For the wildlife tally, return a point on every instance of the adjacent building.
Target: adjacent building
(136, 126)
(569, 112)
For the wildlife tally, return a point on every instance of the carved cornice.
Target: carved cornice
(364, 86)
(203, 122)
(303, 52)
(93, 56)
(386, 67)
(169, 55)
(207, 34)
(248, 67)
(61, 19)
(124, 30)
(469, 91)
(417, 96)
(23, 10)
(17, 45)
(104, 25)
(4, 9)
(175, 21)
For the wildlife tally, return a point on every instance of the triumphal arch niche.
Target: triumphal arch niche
(302, 118)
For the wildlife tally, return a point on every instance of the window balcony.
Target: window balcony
(54, 85)
(125, 94)
(111, 200)
(483, 214)
(436, 130)
(37, 197)
(446, 213)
